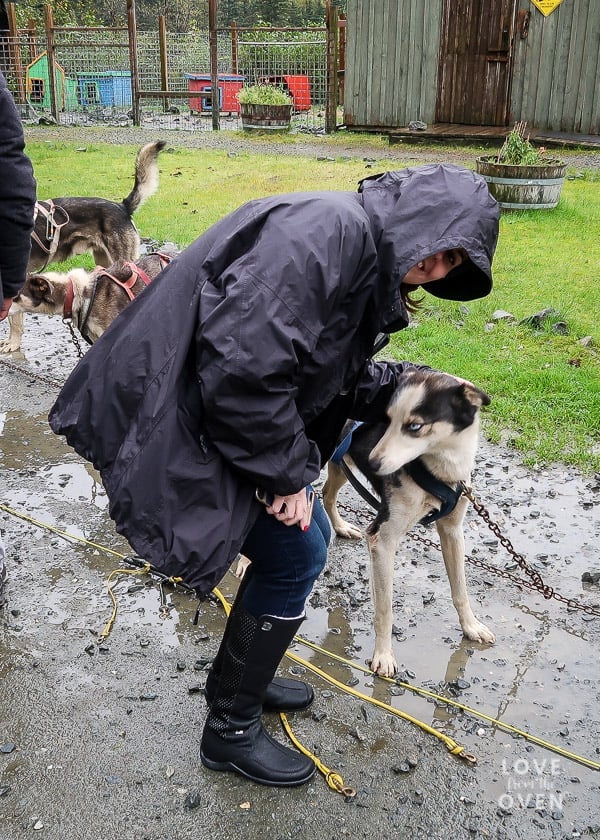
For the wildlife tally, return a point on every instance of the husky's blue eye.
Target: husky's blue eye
(415, 427)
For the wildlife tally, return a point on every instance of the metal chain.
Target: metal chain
(536, 583)
(30, 373)
(69, 323)
(536, 579)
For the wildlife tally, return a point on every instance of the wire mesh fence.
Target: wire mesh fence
(97, 81)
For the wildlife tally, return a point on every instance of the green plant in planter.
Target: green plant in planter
(517, 150)
(521, 177)
(265, 107)
(263, 95)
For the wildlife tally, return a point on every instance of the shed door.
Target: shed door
(475, 61)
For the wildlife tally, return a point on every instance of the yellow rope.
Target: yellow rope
(450, 743)
(588, 762)
(452, 746)
(110, 589)
(334, 780)
(144, 569)
(64, 534)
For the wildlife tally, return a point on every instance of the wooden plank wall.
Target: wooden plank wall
(556, 71)
(391, 61)
(392, 65)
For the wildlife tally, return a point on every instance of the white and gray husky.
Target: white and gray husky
(428, 443)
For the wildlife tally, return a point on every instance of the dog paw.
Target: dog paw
(478, 632)
(242, 566)
(8, 346)
(347, 531)
(384, 664)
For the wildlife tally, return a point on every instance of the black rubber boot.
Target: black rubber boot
(283, 695)
(233, 737)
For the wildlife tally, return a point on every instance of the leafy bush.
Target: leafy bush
(263, 95)
(517, 149)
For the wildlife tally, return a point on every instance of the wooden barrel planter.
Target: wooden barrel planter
(523, 187)
(266, 117)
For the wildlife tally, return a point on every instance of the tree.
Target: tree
(66, 13)
(276, 12)
(181, 15)
(112, 12)
(228, 10)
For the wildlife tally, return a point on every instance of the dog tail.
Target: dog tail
(146, 176)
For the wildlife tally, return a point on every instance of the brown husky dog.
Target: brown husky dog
(66, 227)
(90, 300)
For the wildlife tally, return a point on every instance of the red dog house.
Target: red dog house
(228, 88)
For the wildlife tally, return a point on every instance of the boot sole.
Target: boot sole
(229, 766)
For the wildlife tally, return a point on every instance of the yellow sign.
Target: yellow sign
(546, 7)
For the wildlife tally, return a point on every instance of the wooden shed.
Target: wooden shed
(474, 62)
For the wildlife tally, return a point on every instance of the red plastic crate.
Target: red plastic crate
(297, 86)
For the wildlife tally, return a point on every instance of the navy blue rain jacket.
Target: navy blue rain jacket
(237, 367)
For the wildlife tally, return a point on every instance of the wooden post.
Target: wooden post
(51, 53)
(164, 66)
(133, 62)
(332, 64)
(214, 66)
(11, 14)
(234, 48)
(14, 52)
(31, 40)
(342, 59)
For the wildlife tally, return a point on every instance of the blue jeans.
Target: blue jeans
(285, 563)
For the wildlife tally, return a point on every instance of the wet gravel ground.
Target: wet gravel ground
(102, 740)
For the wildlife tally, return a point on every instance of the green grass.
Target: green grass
(545, 387)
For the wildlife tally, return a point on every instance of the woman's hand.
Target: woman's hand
(292, 510)
(5, 307)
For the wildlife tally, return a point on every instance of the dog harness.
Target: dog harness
(53, 228)
(448, 496)
(127, 285)
(338, 458)
(137, 273)
(426, 480)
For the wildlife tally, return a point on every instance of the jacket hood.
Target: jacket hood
(420, 211)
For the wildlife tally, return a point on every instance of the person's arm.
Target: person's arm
(17, 200)
(251, 347)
